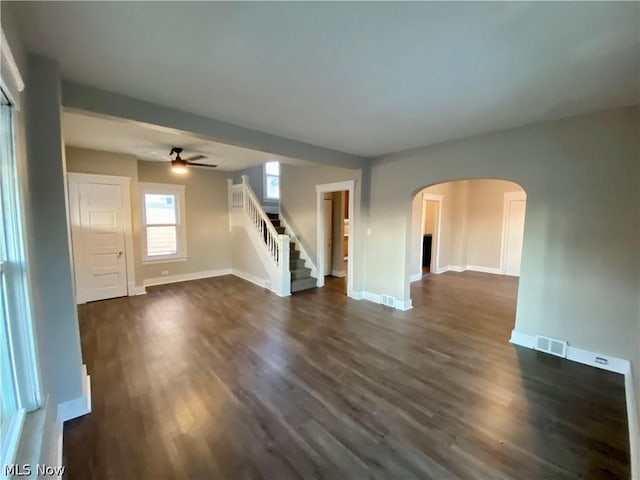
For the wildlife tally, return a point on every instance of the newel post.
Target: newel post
(285, 271)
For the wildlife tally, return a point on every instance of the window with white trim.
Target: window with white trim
(272, 181)
(164, 222)
(19, 379)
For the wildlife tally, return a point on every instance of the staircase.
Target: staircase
(301, 278)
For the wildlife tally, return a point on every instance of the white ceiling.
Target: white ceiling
(364, 78)
(148, 142)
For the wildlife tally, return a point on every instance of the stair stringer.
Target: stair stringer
(241, 220)
(294, 238)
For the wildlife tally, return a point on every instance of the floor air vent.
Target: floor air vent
(551, 345)
(388, 301)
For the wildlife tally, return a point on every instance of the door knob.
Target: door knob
(120, 253)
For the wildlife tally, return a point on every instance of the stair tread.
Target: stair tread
(303, 284)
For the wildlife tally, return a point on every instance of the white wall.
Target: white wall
(579, 278)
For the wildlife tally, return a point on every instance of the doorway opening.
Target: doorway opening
(471, 228)
(475, 225)
(101, 236)
(334, 236)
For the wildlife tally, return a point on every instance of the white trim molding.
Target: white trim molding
(185, 277)
(78, 406)
(139, 290)
(435, 239)
(580, 355)
(509, 197)
(178, 191)
(13, 81)
(9, 446)
(376, 298)
(261, 282)
(74, 179)
(349, 185)
(469, 268)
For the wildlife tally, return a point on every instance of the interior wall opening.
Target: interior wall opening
(336, 239)
(467, 229)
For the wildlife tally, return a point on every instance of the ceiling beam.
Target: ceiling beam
(80, 97)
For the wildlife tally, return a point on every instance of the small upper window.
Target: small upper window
(272, 180)
(164, 226)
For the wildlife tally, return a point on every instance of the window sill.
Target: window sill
(152, 261)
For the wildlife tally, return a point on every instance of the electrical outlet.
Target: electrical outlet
(164, 272)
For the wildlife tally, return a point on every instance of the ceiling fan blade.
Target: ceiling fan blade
(201, 165)
(195, 158)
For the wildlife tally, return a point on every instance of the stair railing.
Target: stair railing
(241, 197)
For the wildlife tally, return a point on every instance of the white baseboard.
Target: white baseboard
(470, 268)
(580, 355)
(357, 295)
(338, 273)
(415, 277)
(140, 290)
(375, 298)
(261, 282)
(522, 339)
(78, 406)
(150, 282)
(408, 305)
(617, 365)
(478, 268)
(456, 268)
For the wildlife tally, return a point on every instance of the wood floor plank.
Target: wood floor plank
(218, 378)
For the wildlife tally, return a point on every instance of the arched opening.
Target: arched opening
(466, 247)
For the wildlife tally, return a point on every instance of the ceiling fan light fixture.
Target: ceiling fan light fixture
(179, 166)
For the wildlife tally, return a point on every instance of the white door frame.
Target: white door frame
(349, 185)
(74, 179)
(509, 197)
(435, 257)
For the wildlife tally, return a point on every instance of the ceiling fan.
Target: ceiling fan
(180, 165)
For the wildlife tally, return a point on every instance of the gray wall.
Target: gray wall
(208, 241)
(50, 260)
(298, 203)
(256, 182)
(579, 278)
(80, 160)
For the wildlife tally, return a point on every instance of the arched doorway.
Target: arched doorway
(472, 231)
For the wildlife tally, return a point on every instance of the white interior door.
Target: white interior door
(98, 237)
(514, 234)
(328, 234)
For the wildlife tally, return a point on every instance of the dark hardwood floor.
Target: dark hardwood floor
(219, 379)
